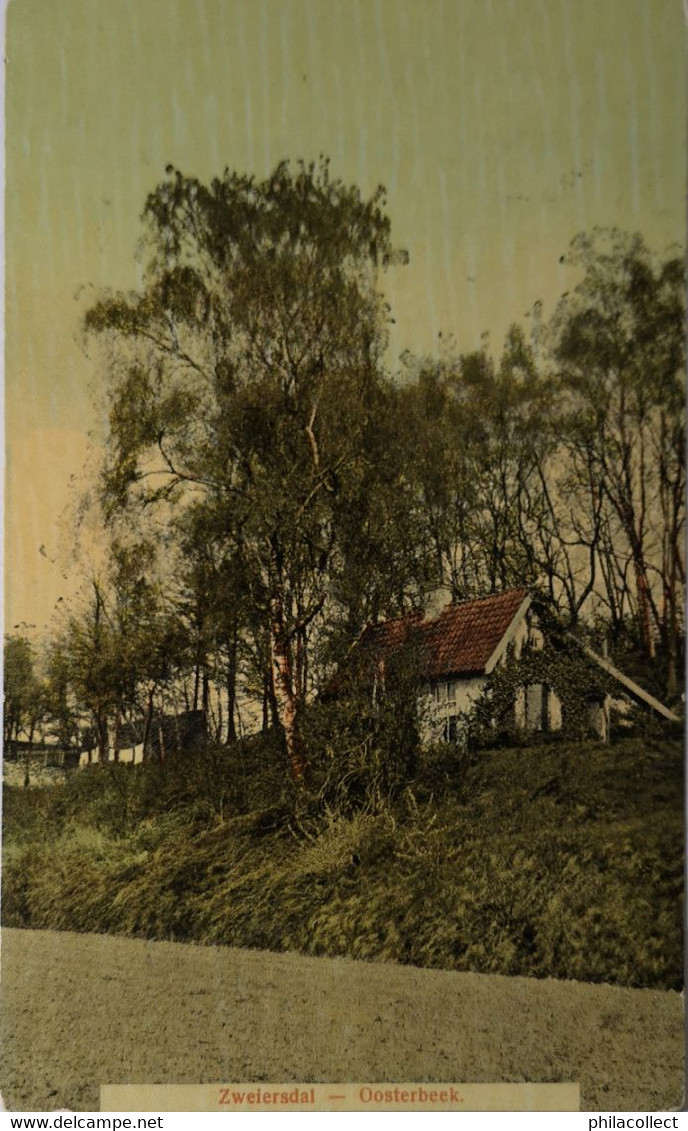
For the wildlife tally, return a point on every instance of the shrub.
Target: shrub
(554, 860)
(363, 753)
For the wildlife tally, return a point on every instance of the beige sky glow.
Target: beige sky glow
(499, 127)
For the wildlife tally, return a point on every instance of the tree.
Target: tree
(85, 643)
(64, 720)
(148, 648)
(618, 343)
(211, 594)
(24, 696)
(246, 376)
(121, 652)
(483, 454)
(565, 470)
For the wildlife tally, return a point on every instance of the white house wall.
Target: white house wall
(599, 718)
(556, 717)
(536, 703)
(520, 638)
(454, 699)
(448, 699)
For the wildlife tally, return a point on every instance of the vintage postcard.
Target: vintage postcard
(344, 555)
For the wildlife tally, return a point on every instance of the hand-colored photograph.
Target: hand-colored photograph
(344, 555)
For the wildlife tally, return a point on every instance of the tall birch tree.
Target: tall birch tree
(244, 377)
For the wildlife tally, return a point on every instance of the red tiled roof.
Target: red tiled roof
(459, 641)
(462, 638)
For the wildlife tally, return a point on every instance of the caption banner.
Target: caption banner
(340, 1097)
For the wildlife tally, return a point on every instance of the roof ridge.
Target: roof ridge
(522, 592)
(493, 596)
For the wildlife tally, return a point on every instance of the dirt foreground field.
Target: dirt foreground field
(81, 1010)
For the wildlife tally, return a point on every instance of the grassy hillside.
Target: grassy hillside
(559, 860)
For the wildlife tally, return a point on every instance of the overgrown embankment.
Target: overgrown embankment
(559, 860)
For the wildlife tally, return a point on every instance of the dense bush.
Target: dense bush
(363, 749)
(561, 861)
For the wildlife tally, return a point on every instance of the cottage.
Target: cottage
(459, 646)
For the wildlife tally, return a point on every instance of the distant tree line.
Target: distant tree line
(269, 488)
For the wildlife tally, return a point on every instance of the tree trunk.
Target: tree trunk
(27, 760)
(286, 699)
(671, 633)
(266, 701)
(301, 664)
(102, 737)
(147, 726)
(116, 732)
(231, 686)
(644, 610)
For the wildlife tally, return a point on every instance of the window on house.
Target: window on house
(535, 707)
(451, 729)
(537, 639)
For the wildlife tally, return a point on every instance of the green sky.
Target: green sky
(499, 127)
